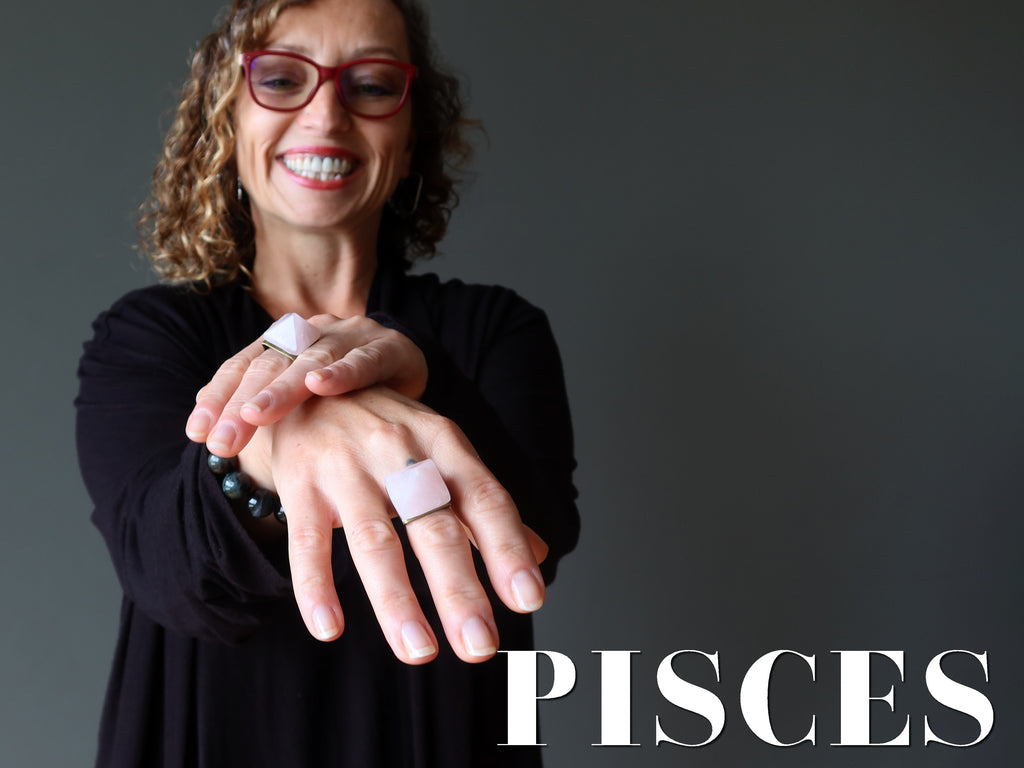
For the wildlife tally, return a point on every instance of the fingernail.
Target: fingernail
(477, 637)
(223, 438)
(322, 375)
(528, 590)
(417, 641)
(325, 623)
(198, 425)
(260, 402)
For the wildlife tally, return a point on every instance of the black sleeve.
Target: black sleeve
(495, 370)
(178, 548)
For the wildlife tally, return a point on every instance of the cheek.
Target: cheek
(244, 159)
(255, 135)
(392, 153)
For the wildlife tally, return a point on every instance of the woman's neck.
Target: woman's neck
(314, 272)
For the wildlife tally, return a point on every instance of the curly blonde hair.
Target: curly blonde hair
(194, 228)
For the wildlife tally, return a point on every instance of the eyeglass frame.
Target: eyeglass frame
(329, 73)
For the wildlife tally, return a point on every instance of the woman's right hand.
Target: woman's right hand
(329, 457)
(258, 386)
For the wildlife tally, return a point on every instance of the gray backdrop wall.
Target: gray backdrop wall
(779, 242)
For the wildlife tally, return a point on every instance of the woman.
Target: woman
(308, 164)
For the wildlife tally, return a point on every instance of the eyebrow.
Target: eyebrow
(358, 53)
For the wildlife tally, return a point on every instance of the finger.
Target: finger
(310, 533)
(379, 558)
(443, 550)
(211, 399)
(360, 367)
(489, 512)
(538, 546)
(389, 358)
(231, 432)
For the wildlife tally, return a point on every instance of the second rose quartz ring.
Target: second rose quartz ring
(417, 490)
(290, 335)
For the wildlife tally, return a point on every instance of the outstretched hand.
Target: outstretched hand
(329, 458)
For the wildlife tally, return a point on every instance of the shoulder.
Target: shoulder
(477, 325)
(172, 303)
(170, 318)
(460, 302)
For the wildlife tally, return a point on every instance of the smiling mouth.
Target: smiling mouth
(320, 167)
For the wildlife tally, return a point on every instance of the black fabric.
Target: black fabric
(213, 666)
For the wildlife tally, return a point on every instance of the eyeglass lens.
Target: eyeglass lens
(370, 89)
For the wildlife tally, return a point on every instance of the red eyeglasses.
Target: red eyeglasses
(284, 82)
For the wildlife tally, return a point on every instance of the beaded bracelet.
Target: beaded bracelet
(238, 486)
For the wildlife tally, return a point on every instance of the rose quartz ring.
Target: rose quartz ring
(290, 335)
(417, 490)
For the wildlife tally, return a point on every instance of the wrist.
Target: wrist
(245, 495)
(254, 460)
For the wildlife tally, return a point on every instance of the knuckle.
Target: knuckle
(368, 355)
(487, 496)
(231, 369)
(267, 364)
(447, 434)
(390, 335)
(439, 530)
(372, 536)
(312, 581)
(361, 323)
(384, 436)
(320, 355)
(459, 592)
(308, 541)
(395, 600)
(323, 318)
(511, 551)
(487, 493)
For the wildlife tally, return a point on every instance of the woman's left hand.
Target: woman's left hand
(260, 386)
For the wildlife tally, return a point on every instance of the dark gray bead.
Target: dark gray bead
(263, 503)
(236, 485)
(221, 465)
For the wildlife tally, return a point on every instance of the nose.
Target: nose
(326, 111)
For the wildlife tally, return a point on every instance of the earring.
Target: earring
(415, 200)
(416, 197)
(239, 191)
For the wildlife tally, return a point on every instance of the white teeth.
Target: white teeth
(319, 167)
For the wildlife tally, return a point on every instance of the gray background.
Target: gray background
(779, 242)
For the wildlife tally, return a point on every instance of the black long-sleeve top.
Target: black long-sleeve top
(213, 666)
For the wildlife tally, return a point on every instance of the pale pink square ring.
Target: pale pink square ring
(417, 490)
(290, 335)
